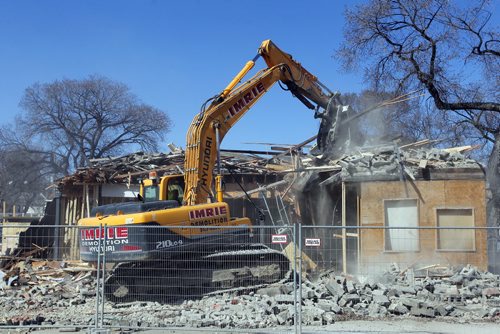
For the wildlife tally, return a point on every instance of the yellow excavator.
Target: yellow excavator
(179, 238)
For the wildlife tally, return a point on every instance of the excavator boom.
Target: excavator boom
(209, 127)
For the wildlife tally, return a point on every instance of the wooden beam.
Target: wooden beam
(269, 186)
(461, 148)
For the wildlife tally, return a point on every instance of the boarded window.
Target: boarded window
(455, 239)
(401, 213)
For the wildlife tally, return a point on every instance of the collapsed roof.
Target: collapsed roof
(376, 163)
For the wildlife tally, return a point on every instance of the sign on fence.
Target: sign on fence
(279, 239)
(313, 242)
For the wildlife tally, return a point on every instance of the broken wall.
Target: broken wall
(431, 198)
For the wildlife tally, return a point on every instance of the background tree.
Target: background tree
(66, 123)
(405, 119)
(22, 182)
(449, 50)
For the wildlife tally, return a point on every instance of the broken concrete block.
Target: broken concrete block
(370, 282)
(483, 313)
(352, 297)
(335, 288)
(394, 293)
(287, 288)
(456, 279)
(325, 305)
(336, 309)
(494, 312)
(328, 318)
(379, 292)
(423, 311)
(271, 291)
(340, 280)
(312, 315)
(366, 298)
(282, 317)
(397, 308)
(489, 292)
(405, 289)
(342, 302)
(374, 310)
(410, 302)
(285, 299)
(440, 310)
(350, 287)
(381, 300)
(469, 272)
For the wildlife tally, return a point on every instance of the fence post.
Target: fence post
(103, 296)
(295, 313)
(300, 278)
(57, 223)
(101, 271)
(98, 273)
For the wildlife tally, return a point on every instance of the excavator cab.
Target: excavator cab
(168, 187)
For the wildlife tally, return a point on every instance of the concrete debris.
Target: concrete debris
(389, 162)
(383, 162)
(67, 297)
(45, 292)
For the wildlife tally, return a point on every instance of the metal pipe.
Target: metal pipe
(300, 278)
(295, 314)
(97, 291)
(103, 274)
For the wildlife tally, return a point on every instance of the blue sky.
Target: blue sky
(174, 55)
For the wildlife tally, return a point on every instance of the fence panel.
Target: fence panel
(154, 277)
(42, 284)
(382, 271)
(164, 278)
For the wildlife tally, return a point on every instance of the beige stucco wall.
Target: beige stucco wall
(430, 195)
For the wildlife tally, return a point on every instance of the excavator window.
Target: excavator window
(151, 193)
(176, 189)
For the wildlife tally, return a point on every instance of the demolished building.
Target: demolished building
(423, 270)
(364, 194)
(423, 191)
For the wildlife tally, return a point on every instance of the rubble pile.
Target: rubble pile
(468, 293)
(66, 296)
(46, 292)
(391, 161)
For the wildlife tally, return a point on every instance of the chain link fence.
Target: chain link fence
(238, 278)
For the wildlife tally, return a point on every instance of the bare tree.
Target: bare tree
(72, 121)
(448, 49)
(66, 123)
(22, 182)
(406, 119)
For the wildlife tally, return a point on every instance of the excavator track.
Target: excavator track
(195, 275)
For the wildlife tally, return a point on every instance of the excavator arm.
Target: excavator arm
(202, 257)
(209, 127)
